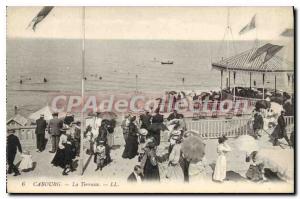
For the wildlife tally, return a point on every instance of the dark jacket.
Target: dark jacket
(174, 116)
(102, 134)
(54, 126)
(41, 126)
(258, 121)
(281, 122)
(158, 118)
(146, 121)
(13, 143)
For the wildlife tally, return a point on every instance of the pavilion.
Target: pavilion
(258, 60)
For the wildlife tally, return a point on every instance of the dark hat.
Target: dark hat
(11, 130)
(222, 139)
(132, 119)
(55, 114)
(157, 110)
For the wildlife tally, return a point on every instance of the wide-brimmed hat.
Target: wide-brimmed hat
(42, 115)
(175, 137)
(143, 132)
(9, 130)
(55, 114)
(175, 133)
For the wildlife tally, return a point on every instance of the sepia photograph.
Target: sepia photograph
(150, 99)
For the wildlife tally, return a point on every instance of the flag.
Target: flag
(40, 16)
(288, 32)
(251, 25)
(269, 49)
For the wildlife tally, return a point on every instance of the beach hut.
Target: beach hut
(256, 61)
(17, 121)
(45, 110)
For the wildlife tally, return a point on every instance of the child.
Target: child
(142, 142)
(26, 163)
(100, 155)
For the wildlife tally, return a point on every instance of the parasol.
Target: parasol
(280, 161)
(193, 148)
(108, 115)
(246, 143)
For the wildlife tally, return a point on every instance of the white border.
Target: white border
(107, 3)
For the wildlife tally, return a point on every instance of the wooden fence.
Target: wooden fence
(212, 128)
(218, 127)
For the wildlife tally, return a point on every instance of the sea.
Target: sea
(115, 66)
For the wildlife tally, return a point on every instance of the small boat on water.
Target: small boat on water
(167, 62)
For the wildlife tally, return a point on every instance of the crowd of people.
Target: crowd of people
(142, 138)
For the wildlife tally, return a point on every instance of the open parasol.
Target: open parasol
(280, 161)
(108, 115)
(193, 148)
(246, 143)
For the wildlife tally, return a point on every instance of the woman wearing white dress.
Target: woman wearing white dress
(175, 172)
(26, 163)
(220, 168)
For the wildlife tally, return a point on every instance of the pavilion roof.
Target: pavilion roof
(256, 60)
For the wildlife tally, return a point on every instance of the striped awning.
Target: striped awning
(248, 61)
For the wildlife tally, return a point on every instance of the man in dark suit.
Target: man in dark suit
(54, 127)
(156, 126)
(102, 136)
(13, 143)
(174, 115)
(281, 132)
(145, 120)
(41, 126)
(136, 176)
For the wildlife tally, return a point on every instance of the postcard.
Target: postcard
(150, 99)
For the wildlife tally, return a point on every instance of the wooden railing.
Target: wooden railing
(212, 128)
(26, 134)
(289, 120)
(218, 127)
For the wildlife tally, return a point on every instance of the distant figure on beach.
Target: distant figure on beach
(45, 80)
(100, 77)
(85, 78)
(221, 163)
(54, 127)
(41, 126)
(21, 81)
(13, 144)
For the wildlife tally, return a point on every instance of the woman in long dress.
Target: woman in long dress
(149, 163)
(175, 172)
(131, 147)
(63, 157)
(220, 168)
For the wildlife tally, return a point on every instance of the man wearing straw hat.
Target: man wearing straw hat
(41, 126)
(54, 127)
(13, 144)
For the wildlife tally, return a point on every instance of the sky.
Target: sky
(172, 23)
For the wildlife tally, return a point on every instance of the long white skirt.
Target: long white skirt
(175, 173)
(220, 168)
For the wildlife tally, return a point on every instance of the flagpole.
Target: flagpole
(81, 159)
